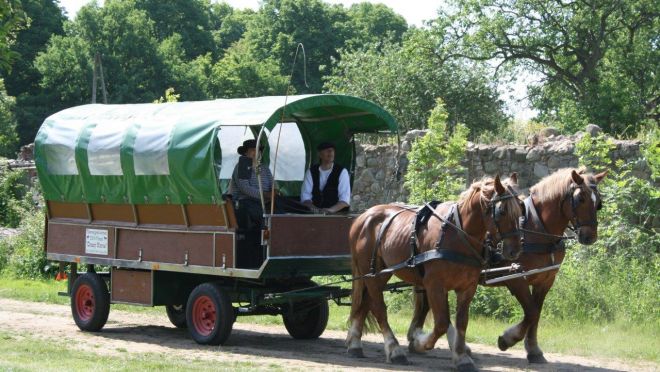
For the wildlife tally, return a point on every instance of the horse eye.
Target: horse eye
(599, 206)
(581, 198)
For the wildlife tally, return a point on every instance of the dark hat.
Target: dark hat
(325, 145)
(248, 144)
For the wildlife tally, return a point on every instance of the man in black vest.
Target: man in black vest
(327, 186)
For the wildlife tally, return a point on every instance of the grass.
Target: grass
(619, 340)
(18, 354)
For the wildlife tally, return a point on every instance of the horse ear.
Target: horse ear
(599, 177)
(577, 178)
(514, 177)
(499, 188)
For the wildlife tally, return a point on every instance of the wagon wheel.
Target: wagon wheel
(209, 314)
(90, 302)
(177, 315)
(306, 319)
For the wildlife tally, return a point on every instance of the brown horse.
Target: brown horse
(487, 206)
(566, 196)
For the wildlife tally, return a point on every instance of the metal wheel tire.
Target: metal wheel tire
(307, 319)
(177, 315)
(90, 302)
(209, 314)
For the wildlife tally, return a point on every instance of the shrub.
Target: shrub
(434, 169)
(15, 199)
(23, 255)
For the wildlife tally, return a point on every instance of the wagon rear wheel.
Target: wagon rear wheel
(306, 319)
(177, 315)
(209, 314)
(90, 302)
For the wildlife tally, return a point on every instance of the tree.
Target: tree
(280, 25)
(8, 136)
(12, 19)
(22, 82)
(434, 168)
(599, 59)
(240, 74)
(407, 79)
(370, 23)
(191, 19)
(230, 24)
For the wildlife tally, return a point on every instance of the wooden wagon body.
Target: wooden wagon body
(140, 190)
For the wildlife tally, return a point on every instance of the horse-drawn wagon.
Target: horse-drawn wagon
(139, 190)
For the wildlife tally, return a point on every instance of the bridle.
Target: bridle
(495, 209)
(575, 202)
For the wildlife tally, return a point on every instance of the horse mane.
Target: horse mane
(486, 188)
(557, 184)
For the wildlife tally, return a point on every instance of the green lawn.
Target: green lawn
(618, 340)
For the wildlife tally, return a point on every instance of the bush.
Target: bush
(434, 169)
(15, 200)
(23, 255)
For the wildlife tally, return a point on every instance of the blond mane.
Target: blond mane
(486, 188)
(557, 184)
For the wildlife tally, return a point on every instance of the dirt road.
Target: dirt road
(263, 346)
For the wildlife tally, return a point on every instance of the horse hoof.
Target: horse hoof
(536, 358)
(467, 367)
(399, 360)
(502, 344)
(411, 349)
(356, 353)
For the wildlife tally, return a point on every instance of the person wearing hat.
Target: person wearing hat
(326, 188)
(245, 185)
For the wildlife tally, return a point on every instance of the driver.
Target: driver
(326, 188)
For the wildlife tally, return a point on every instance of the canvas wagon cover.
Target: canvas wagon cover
(164, 153)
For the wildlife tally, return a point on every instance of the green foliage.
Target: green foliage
(23, 255)
(240, 74)
(170, 96)
(406, 79)
(434, 168)
(15, 200)
(8, 136)
(594, 152)
(12, 19)
(599, 59)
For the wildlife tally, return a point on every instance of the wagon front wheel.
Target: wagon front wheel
(209, 314)
(177, 315)
(306, 319)
(90, 302)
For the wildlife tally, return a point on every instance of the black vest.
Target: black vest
(330, 194)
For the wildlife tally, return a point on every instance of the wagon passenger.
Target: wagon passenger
(326, 187)
(245, 185)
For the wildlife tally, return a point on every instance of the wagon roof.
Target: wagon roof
(164, 153)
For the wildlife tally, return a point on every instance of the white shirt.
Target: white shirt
(344, 188)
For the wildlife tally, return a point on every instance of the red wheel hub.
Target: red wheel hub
(204, 315)
(85, 302)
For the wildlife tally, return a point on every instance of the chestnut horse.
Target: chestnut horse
(381, 238)
(566, 196)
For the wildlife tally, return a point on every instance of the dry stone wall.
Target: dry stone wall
(376, 180)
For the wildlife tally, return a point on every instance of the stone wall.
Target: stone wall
(376, 181)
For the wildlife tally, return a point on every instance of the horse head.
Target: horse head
(581, 203)
(500, 212)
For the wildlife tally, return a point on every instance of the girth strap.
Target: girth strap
(432, 255)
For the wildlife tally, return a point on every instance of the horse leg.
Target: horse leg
(421, 309)
(534, 352)
(393, 352)
(520, 290)
(357, 321)
(461, 358)
(451, 339)
(437, 299)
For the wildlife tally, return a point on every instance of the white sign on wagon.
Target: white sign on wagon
(96, 241)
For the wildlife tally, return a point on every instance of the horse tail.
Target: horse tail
(359, 294)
